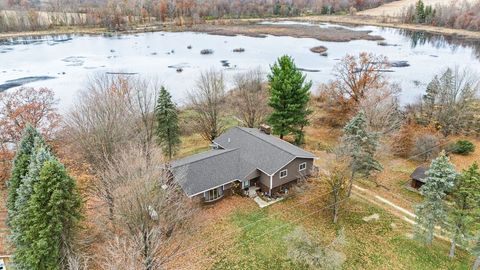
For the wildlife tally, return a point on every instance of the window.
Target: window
(213, 194)
(283, 173)
(245, 184)
(302, 166)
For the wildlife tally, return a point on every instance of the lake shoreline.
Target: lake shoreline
(248, 28)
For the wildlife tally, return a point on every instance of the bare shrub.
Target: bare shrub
(426, 147)
(302, 248)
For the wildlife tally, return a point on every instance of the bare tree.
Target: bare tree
(355, 78)
(143, 96)
(337, 175)
(112, 112)
(450, 101)
(99, 123)
(382, 109)
(207, 100)
(149, 208)
(356, 75)
(250, 97)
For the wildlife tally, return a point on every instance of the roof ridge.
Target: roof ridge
(242, 129)
(220, 150)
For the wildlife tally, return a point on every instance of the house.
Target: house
(418, 177)
(242, 157)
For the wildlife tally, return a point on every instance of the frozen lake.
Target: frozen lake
(66, 62)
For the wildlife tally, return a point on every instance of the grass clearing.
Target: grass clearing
(382, 244)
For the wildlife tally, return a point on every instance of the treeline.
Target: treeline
(460, 16)
(116, 14)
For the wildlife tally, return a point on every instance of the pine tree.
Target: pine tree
(20, 166)
(361, 145)
(168, 131)
(420, 12)
(48, 208)
(432, 211)
(53, 211)
(19, 223)
(465, 207)
(289, 96)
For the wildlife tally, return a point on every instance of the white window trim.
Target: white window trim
(300, 166)
(286, 173)
(205, 194)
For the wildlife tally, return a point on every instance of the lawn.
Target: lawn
(255, 238)
(229, 242)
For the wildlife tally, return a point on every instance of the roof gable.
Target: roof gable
(244, 151)
(267, 152)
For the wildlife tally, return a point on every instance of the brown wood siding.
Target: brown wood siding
(264, 181)
(292, 171)
(256, 173)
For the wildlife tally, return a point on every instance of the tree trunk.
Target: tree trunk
(476, 264)
(351, 184)
(335, 212)
(452, 248)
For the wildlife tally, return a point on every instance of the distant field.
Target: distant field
(394, 9)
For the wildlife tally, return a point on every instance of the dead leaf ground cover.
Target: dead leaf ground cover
(382, 244)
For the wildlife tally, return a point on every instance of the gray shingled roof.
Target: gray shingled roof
(419, 174)
(205, 171)
(245, 150)
(268, 152)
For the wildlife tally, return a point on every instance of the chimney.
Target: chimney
(265, 129)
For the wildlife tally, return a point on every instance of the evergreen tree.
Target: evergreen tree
(19, 223)
(420, 12)
(52, 213)
(289, 96)
(168, 131)
(20, 166)
(48, 207)
(432, 211)
(465, 207)
(361, 145)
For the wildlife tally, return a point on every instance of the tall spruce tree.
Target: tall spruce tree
(20, 166)
(167, 131)
(47, 207)
(289, 96)
(432, 211)
(52, 213)
(465, 206)
(361, 145)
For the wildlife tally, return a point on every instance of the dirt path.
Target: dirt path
(396, 210)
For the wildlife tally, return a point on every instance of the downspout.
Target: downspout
(271, 185)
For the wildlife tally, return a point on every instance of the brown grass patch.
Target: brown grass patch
(337, 34)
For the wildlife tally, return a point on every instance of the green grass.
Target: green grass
(370, 245)
(417, 256)
(258, 246)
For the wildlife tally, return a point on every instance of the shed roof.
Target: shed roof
(419, 174)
